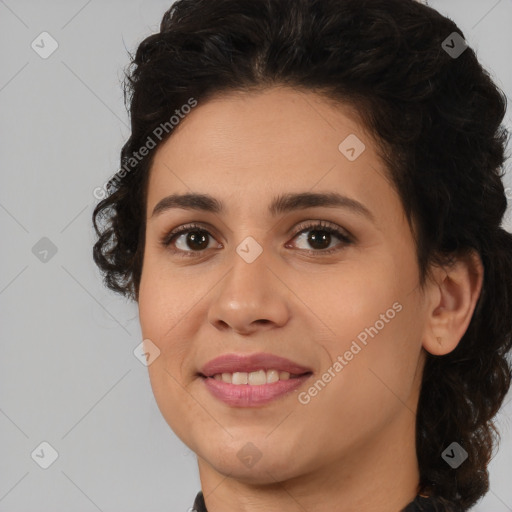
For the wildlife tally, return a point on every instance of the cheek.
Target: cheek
(162, 315)
(375, 325)
(353, 299)
(163, 298)
(375, 383)
(163, 308)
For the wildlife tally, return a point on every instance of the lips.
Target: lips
(231, 363)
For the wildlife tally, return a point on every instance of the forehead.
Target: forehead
(260, 145)
(285, 122)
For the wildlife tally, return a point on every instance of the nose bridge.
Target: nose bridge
(250, 272)
(250, 292)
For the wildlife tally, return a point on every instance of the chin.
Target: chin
(251, 465)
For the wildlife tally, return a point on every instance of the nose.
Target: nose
(250, 297)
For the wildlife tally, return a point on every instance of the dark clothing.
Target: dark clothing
(420, 504)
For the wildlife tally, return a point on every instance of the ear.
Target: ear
(453, 293)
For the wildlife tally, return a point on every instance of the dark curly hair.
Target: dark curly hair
(437, 118)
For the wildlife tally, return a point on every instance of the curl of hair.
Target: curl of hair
(437, 123)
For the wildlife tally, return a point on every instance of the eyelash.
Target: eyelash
(327, 227)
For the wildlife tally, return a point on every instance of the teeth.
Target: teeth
(253, 378)
(272, 376)
(239, 378)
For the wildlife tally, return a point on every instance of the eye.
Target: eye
(195, 237)
(321, 234)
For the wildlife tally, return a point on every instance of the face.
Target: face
(330, 286)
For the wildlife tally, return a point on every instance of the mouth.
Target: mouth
(238, 366)
(251, 394)
(250, 380)
(255, 378)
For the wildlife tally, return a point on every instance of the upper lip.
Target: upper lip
(231, 363)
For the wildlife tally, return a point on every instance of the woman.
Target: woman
(308, 214)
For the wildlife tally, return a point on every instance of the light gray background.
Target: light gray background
(68, 373)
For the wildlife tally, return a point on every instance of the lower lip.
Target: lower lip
(245, 395)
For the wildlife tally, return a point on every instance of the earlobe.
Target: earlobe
(453, 295)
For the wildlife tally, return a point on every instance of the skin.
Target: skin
(352, 447)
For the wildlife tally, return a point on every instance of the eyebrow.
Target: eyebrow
(281, 204)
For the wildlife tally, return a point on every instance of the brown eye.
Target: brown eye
(196, 240)
(187, 239)
(193, 240)
(320, 237)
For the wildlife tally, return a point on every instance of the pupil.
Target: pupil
(201, 240)
(315, 239)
